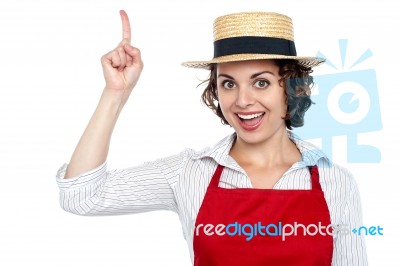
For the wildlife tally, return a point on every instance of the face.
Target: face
(251, 99)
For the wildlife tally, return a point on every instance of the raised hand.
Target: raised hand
(123, 65)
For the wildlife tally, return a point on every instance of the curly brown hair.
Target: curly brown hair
(295, 77)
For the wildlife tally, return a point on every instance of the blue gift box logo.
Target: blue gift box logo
(347, 104)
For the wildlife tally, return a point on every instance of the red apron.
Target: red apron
(252, 222)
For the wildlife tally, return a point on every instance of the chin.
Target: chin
(252, 137)
(258, 136)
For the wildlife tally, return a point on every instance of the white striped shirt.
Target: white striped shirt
(179, 183)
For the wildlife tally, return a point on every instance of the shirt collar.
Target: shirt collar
(311, 154)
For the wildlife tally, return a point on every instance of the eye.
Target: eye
(228, 84)
(262, 83)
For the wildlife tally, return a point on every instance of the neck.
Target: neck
(274, 151)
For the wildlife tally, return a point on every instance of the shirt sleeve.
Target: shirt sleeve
(349, 246)
(147, 187)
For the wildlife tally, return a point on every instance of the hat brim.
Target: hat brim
(303, 60)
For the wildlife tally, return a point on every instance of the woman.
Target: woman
(260, 196)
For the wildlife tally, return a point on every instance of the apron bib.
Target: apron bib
(246, 226)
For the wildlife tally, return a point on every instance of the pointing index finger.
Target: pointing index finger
(126, 27)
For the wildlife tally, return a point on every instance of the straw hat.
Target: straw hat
(254, 35)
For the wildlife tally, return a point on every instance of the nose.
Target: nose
(245, 97)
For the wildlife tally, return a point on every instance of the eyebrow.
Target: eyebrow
(252, 76)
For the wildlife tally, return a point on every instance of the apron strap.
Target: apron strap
(315, 185)
(216, 177)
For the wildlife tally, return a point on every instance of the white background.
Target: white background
(51, 80)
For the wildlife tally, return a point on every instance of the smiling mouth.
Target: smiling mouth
(250, 120)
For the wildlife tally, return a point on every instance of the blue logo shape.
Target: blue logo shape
(347, 104)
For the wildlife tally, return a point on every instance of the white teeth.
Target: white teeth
(250, 116)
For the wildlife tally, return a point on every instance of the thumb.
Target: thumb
(134, 53)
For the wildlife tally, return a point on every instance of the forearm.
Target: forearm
(93, 146)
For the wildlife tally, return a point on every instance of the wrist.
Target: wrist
(111, 103)
(113, 100)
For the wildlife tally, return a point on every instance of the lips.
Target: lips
(250, 121)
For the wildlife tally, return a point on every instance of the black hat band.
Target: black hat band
(254, 45)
